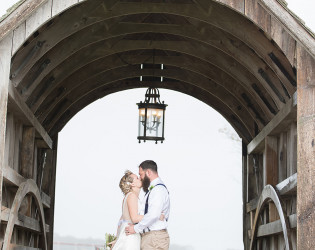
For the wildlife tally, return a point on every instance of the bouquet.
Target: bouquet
(109, 238)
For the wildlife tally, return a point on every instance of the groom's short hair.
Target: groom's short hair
(148, 164)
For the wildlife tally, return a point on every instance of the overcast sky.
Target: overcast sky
(200, 165)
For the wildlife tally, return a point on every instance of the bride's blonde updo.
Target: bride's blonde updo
(125, 182)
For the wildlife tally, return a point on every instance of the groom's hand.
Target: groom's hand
(130, 229)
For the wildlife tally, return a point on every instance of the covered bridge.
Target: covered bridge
(251, 60)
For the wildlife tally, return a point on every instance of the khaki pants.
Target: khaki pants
(155, 240)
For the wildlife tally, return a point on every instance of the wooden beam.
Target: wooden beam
(82, 39)
(292, 24)
(23, 221)
(65, 102)
(41, 143)
(271, 161)
(271, 170)
(275, 227)
(92, 72)
(27, 152)
(18, 247)
(52, 191)
(16, 17)
(246, 217)
(5, 62)
(252, 205)
(182, 87)
(306, 150)
(18, 106)
(14, 179)
(46, 200)
(286, 187)
(215, 57)
(279, 123)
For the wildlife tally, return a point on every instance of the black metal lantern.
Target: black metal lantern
(151, 117)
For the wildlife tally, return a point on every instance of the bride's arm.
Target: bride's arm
(132, 203)
(118, 225)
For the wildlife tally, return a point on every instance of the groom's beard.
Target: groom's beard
(145, 183)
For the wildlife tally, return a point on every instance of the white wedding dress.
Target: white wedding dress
(124, 242)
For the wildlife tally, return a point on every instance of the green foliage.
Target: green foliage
(109, 238)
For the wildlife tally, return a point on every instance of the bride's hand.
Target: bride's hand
(162, 217)
(112, 243)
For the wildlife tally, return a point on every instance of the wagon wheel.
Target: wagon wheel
(270, 193)
(27, 187)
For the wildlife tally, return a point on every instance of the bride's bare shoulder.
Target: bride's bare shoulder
(132, 197)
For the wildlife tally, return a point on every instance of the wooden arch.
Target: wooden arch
(27, 187)
(99, 45)
(269, 193)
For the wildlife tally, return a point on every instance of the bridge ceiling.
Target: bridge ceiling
(208, 50)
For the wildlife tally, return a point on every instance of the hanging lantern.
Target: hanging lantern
(151, 117)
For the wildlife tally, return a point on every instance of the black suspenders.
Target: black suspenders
(147, 201)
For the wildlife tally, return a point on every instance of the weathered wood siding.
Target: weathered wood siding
(306, 150)
(24, 158)
(277, 162)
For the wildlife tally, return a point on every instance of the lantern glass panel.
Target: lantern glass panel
(141, 122)
(154, 122)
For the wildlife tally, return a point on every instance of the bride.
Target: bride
(130, 184)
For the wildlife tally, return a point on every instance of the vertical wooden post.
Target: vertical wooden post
(52, 191)
(27, 152)
(305, 150)
(271, 170)
(271, 161)
(27, 164)
(5, 62)
(282, 157)
(246, 218)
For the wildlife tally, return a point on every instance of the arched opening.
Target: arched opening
(198, 161)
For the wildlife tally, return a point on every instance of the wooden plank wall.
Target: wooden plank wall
(23, 159)
(277, 162)
(284, 144)
(5, 61)
(306, 150)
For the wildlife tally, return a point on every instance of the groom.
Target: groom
(153, 230)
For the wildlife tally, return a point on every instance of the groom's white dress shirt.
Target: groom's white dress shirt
(159, 202)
